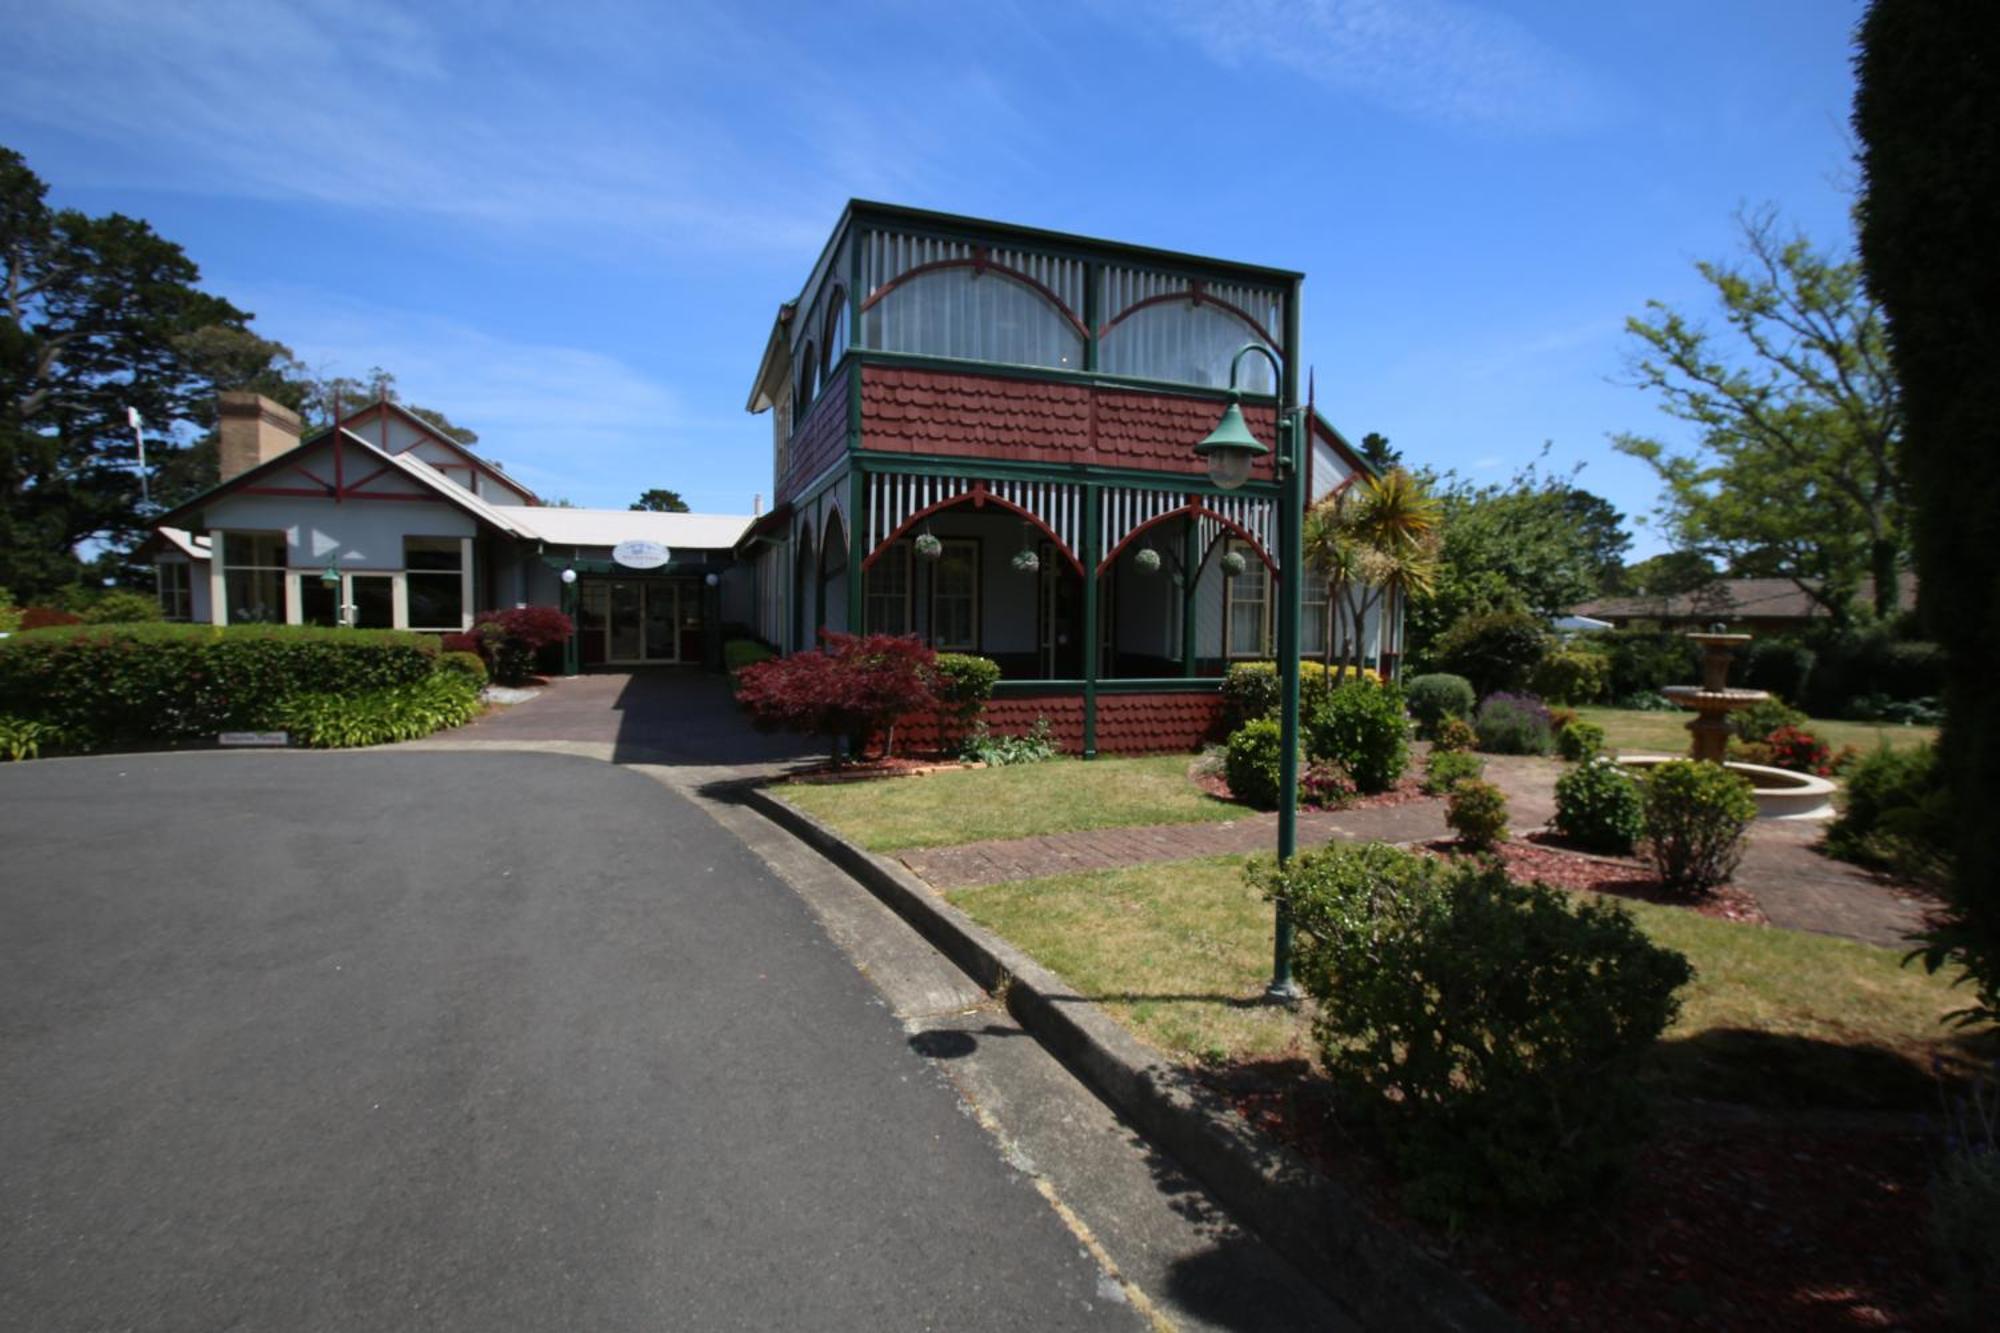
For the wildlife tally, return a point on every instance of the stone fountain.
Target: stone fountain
(1780, 793)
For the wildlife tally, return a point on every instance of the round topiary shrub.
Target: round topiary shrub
(1251, 763)
(467, 665)
(1514, 724)
(1696, 815)
(1579, 741)
(1445, 769)
(1598, 807)
(1477, 813)
(1361, 727)
(1433, 698)
(1572, 676)
(1494, 652)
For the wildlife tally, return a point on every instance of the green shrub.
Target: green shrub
(1572, 675)
(1455, 733)
(1361, 727)
(1492, 1031)
(1445, 769)
(1965, 1198)
(469, 665)
(10, 614)
(1759, 720)
(1599, 807)
(962, 683)
(1695, 820)
(1895, 813)
(133, 684)
(120, 606)
(1579, 741)
(1251, 763)
(1778, 666)
(21, 739)
(379, 717)
(1647, 661)
(1436, 697)
(983, 747)
(1494, 652)
(1250, 690)
(1477, 813)
(740, 653)
(1514, 724)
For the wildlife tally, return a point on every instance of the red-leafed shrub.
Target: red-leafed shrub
(1800, 751)
(464, 642)
(852, 691)
(47, 617)
(509, 640)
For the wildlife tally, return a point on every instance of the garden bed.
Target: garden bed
(1545, 856)
(889, 766)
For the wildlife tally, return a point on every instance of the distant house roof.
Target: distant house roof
(1732, 599)
(560, 526)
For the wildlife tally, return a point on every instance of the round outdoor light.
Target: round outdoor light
(332, 574)
(569, 576)
(713, 579)
(1230, 449)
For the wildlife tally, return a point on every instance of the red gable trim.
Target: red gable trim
(478, 464)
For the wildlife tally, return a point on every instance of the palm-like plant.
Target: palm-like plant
(1376, 542)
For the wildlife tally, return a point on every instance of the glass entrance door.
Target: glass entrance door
(643, 621)
(628, 608)
(661, 602)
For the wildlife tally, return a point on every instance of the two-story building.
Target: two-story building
(984, 435)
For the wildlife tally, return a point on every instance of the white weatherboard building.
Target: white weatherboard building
(383, 522)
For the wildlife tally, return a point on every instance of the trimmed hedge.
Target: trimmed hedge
(119, 684)
(378, 717)
(1250, 690)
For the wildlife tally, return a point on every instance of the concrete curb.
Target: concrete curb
(1384, 1278)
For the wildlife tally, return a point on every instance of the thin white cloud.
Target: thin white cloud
(1439, 60)
(567, 421)
(658, 124)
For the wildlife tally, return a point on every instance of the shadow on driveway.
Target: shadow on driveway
(659, 715)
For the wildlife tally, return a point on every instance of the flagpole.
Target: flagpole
(139, 434)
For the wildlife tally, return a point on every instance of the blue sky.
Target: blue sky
(568, 226)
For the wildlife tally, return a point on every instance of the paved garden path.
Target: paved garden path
(1797, 887)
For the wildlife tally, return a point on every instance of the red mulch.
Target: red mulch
(1408, 790)
(1724, 1224)
(1545, 857)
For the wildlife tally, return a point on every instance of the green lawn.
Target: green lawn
(1632, 731)
(1179, 952)
(1019, 801)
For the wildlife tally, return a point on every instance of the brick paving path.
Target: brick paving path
(1797, 887)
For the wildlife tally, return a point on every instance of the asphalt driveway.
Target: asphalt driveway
(463, 1040)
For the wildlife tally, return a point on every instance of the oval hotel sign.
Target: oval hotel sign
(640, 555)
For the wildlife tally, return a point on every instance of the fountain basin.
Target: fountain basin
(1780, 793)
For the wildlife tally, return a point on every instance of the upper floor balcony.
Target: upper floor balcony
(925, 334)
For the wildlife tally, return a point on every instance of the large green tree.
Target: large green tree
(1927, 112)
(97, 315)
(661, 501)
(1535, 543)
(1796, 470)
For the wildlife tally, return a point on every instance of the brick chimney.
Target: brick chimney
(254, 430)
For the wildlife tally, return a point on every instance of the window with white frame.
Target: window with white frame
(1247, 611)
(888, 592)
(955, 597)
(176, 584)
(1314, 620)
(435, 574)
(253, 578)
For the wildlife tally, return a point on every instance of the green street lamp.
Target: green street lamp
(1231, 451)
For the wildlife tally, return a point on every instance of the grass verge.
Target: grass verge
(1179, 952)
(1061, 796)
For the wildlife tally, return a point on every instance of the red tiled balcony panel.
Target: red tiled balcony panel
(1126, 723)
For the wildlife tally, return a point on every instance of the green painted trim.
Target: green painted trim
(870, 356)
(1093, 542)
(1093, 274)
(857, 551)
(945, 465)
(959, 227)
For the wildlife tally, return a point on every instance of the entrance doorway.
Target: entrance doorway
(633, 622)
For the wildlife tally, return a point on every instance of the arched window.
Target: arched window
(1185, 343)
(974, 314)
(808, 383)
(834, 334)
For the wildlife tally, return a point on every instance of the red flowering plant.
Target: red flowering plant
(1800, 751)
(509, 640)
(851, 691)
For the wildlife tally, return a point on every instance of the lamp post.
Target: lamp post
(1230, 451)
(568, 577)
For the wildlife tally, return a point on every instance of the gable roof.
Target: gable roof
(383, 406)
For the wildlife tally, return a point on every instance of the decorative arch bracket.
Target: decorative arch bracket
(898, 502)
(1129, 511)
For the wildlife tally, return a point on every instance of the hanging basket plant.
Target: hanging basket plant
(1233, 563)
(1147, 561)
(928, 547)
(1026, 561)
